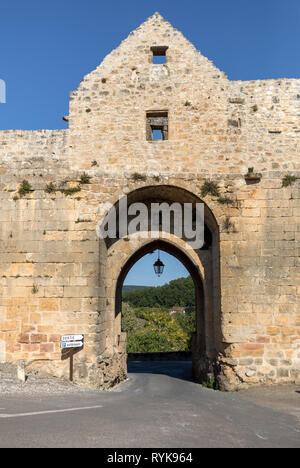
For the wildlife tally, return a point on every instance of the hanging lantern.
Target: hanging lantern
(158, 266)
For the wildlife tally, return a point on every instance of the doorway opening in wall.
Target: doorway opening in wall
(158, 312)
(159, 315)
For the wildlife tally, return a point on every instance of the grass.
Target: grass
(213, 384)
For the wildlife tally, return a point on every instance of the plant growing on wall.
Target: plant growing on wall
(25, 188)
(85, 178)
(35, 289)
(224, 200)
(50, 188)
(228, 226)
(136, 177)
(211, 188)
(288, 180)
(70, 191)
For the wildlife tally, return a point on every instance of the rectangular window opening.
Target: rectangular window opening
(157, 126)
(159, 55)
(157, 133)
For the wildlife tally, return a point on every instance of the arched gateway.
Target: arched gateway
(204, 330)
(202, 264)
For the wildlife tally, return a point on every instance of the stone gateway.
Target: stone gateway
(177, 131)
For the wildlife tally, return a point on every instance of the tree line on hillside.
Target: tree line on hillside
(179, 292)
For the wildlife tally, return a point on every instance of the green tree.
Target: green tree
(147, 341)
(130, 321)
(187, 322)
(162, 332)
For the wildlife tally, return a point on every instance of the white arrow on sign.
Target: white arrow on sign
(72, 337)
(72, 344)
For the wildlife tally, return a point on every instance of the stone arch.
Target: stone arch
(119, 256)
(191, 265)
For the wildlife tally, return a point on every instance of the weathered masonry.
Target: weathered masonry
(232, 145)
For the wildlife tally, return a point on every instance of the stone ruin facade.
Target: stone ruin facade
(57, 277)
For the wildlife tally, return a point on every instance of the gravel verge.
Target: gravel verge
(35, 383)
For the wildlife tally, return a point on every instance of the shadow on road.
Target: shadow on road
(178, 369)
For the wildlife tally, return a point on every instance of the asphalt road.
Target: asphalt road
(158, 407)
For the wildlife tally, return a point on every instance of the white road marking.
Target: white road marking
(261, 437)
(37, 413)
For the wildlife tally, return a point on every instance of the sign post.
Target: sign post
(71, 364)
(71, 342)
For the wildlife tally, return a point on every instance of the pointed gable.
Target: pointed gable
(137, 50)
(113, 109)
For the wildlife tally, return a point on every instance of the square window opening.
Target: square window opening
(159, 59)
(159, 55)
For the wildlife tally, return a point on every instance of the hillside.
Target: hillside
(132, 287)
(179, 292)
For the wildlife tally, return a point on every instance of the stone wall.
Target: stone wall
(54, 274)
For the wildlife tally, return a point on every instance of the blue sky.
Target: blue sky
(142, 273)
(46, 48)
